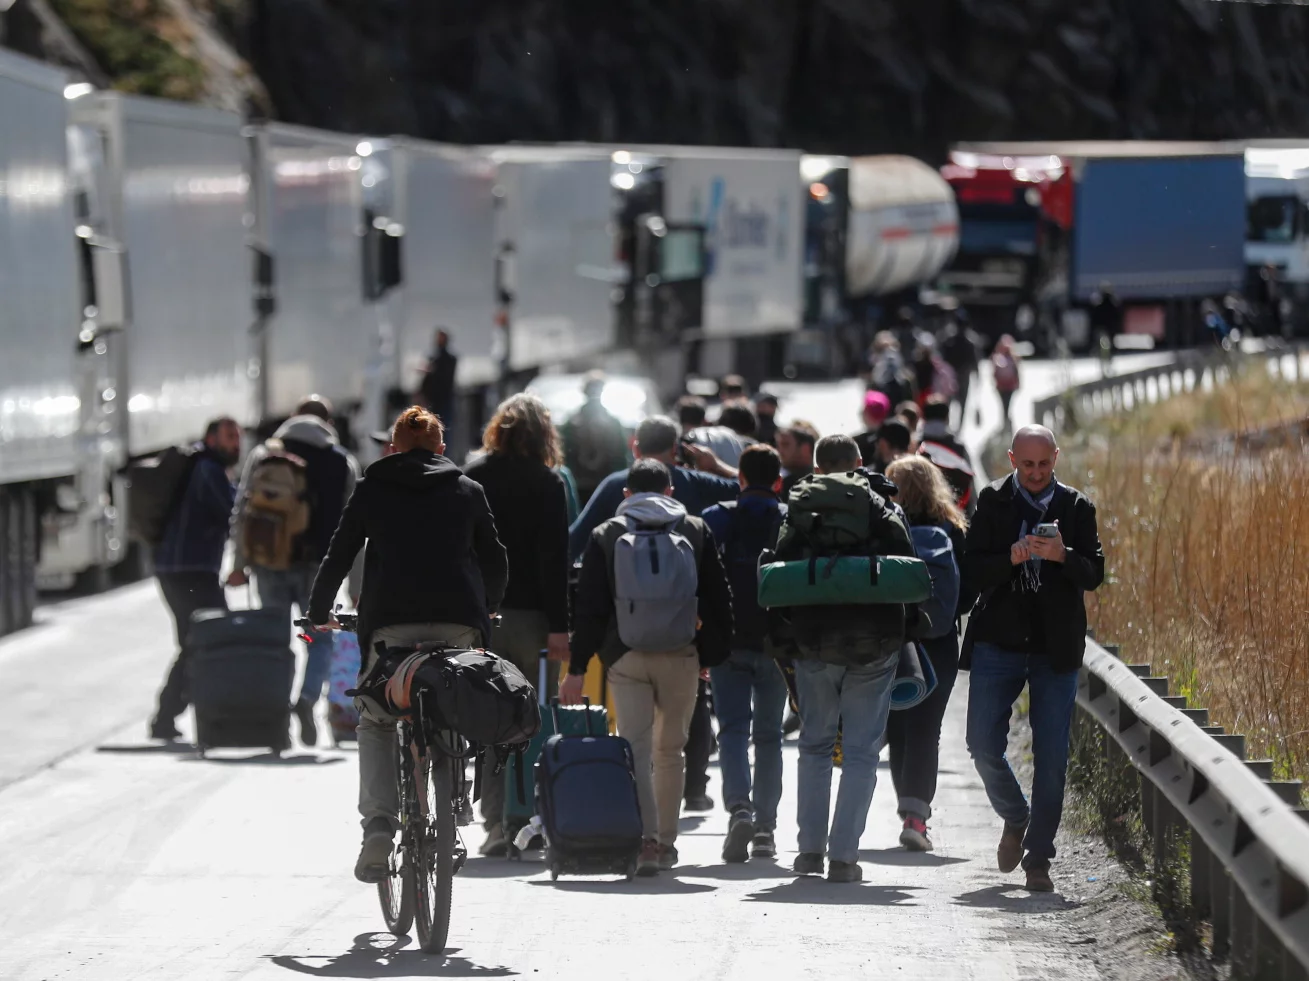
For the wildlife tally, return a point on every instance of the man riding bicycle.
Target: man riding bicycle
(434, 571)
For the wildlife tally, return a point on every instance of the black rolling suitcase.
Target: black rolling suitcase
(241, 669)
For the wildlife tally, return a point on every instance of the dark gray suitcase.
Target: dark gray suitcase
(241, 668)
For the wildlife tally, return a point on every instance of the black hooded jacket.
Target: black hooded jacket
(433, 555)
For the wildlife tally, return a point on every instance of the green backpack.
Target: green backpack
(840, 514)
(830, 516)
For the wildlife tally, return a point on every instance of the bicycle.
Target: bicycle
(432, 787)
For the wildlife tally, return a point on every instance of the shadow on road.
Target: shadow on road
(659, 885)
(502, 868)
(380, 955)
(1014, 899)
(736, 872)
(268, 759)
(150, 749)
(814, 891)
(907, 859)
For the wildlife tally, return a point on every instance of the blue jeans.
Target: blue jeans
(290, 587)
(861, 696)
(749, 699)
(997, 680)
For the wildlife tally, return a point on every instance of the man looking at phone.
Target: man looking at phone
(1033, 551)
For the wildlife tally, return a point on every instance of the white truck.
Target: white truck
(160, 204)
(431, 211)
(1277, 228)
(46, 457)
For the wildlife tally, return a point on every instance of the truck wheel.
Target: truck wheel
(30, 531)
(9, 562)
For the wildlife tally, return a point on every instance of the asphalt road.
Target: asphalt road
(122, 859)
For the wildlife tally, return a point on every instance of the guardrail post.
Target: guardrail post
(1220, 893)
(1244, 937)
(1202, 862)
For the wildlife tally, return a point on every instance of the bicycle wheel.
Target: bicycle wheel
(397, 891)
(435, 850)
(396, 894)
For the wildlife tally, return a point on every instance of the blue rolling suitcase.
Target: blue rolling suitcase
(586, 798)
(570, 720)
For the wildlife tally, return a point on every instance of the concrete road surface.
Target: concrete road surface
(123, 859)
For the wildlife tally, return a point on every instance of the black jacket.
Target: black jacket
(595, 629)
(1051, 621)
(432, 557)
(530, 507)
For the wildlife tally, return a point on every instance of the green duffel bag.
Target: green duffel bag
(848, 579)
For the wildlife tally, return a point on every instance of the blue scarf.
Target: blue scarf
(1033, 511)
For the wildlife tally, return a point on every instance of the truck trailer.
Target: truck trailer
(51, 467)
(1159, 226)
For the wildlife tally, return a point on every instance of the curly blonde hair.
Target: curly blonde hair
(924, 493)
(521, 426)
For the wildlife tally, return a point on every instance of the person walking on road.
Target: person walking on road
(942, 446)
(876, 409)
(284, 566)
(914, 734)
(795, 446)
(1005, 365)
(656, 439)
(749, 689)
(434, 571)
(654, 623)
(959, 346)
(188, 557)
(893, 442)
(846, 659)
(530, 506)
(437, 389)
(1033, 551)
(595, 444)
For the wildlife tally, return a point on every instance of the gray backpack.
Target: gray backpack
(656, 576)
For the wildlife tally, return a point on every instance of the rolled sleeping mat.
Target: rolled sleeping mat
(847, 579)
(915, 678)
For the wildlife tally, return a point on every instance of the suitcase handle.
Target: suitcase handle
(586, 704)
(541, 676)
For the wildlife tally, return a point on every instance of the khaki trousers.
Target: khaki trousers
(654, 699)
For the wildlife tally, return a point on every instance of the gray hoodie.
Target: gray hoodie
(303, 429)
(652, 510)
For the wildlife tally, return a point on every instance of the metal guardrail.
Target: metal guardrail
(1249, 840)
(1191, 370)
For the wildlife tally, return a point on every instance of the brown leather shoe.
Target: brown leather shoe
(1038, 880)
(1010, 852)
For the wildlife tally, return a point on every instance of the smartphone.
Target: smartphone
(1046, 531)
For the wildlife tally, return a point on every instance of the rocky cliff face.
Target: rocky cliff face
(826, 75)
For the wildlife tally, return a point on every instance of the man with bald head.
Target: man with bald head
(1033, 551)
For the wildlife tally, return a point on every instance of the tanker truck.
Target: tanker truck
(877, 229)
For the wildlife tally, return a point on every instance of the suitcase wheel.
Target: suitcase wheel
(554, 872)
(630, 872)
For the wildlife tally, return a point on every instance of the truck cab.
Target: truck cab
(1277, 232)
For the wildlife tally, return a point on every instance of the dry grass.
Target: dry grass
(1208, 560)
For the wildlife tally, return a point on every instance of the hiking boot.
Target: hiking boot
(740, 829)
(914, 835)
(808, 863)
(1010, 852)
(647, 863)
(1038, 879)
(845, 872)
(374, 863)
(699, 802)
(165, 729)
(304, 712)
(496, 845)
(667, 857)
(763, 845)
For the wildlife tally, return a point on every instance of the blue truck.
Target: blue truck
(1134, 238)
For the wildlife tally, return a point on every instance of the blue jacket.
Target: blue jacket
(197, 530)
(694, 489)
(935, 547)
(751, 499)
